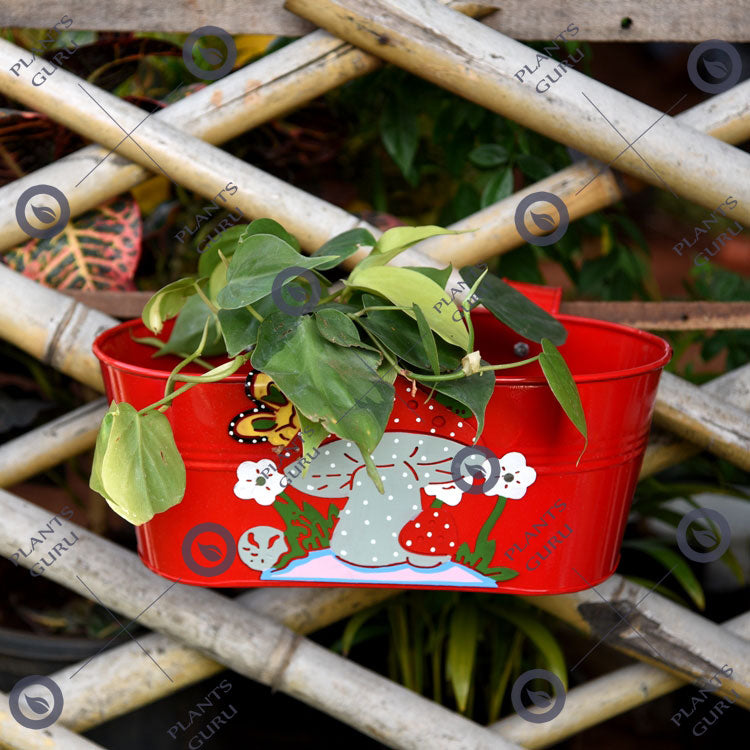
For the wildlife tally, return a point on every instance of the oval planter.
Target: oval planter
(545, 523)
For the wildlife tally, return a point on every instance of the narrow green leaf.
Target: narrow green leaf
(514, 309)
(337, 328)
(564, 388)
(137, 467)
(353, 625)
(428, 340)
(342, 246)
(674, 563)
(405, 288)
(313, 434)
(488, 155)
(463, 642)
(541, 637)
(400, 133)
(500, 186)
(400, 334)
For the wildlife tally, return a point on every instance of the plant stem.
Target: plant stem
(223, 259)
(172, 375)
(210, 305)
(254, 313)
(168, 398)
(330, 297)
(461, 374)
(377, 307)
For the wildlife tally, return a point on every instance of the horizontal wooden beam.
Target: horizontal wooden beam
(651, 316)
(598, 20)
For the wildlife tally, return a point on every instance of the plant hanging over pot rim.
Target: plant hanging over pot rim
(331, 351)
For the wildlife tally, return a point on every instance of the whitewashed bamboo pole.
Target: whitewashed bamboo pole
(267, 88)
(251, 644)
(51, 327)
(665, 450)
(703, 419)
(56, 737)
(50, 444)
(663, 633)
(603, 698)
(481, 64)
(125, 681)
(195, 164)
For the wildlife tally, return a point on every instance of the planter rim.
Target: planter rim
(657, 363)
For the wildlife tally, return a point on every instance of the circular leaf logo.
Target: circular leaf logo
(41, 200)
(36, 702)
(551, 702)
(713, 546)
(213, 56)
(468, 463)
(542, 219)
(199, 553)
(714, 66)
(307, 298)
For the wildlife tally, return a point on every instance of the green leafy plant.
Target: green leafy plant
(335, 358)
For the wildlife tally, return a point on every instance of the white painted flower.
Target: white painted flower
(259, 481)
(447, 493)
(515, 476)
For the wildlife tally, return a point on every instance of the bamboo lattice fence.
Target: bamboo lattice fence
(261, 633)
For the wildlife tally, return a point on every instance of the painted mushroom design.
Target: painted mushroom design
(369, 526)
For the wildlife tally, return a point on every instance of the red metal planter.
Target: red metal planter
(545, 526)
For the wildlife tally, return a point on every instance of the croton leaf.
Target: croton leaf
(334, 385)
(99, 250)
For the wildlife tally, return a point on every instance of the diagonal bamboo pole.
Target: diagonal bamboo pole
(260, 193)
(603, 698)
(251, 644)
(125, 680)
(56, 737)
(51, 444)
(481, 64)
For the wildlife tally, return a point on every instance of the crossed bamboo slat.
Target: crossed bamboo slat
(262, 194)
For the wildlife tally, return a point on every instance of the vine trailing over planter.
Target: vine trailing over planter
(334, 356)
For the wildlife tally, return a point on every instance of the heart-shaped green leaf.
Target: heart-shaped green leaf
(334, 385)
(344, 245)
(337, 328)
(404, 288)
(255, 266)
(137, 467)
(188, 330)
(473, 392)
